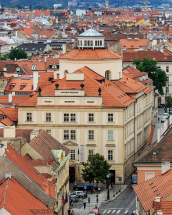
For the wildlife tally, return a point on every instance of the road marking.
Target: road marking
(113, 211)
(104, 211)
(108, 211)
(118, 211)
(126, 211)
(134, 212)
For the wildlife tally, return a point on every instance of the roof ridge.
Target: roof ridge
(5, 193)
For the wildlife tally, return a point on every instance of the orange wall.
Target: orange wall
(141, 174)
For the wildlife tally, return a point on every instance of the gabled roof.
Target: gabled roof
(155, 12)
(163, 151)
(91, 33)
(39, 47)
(16, 199)
(19, 85)
(159, 186)
(44, 144)
(45, 34)
(90, 54)
(133, 43)
(29, 172)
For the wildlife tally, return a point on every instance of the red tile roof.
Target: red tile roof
(16, 199)
(38, 179)
(134, 44)
(45, 34)
(129, 56)
(160, 186)
(109, 98)
(15, 99)
(85, 54)
(20, 85)
(165, 206)
(155, 13)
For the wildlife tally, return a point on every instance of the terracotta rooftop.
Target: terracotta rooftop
(163, 151)
(160, 186)
(20, 85)
(16, 199)
(133, 43)
(129, 56)
(85, 54)
(165, 206)
(4, 100)
(45, 34)
(27, 170)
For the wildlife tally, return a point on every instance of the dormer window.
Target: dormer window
(12, 86)
(22, 86)
(33, 67)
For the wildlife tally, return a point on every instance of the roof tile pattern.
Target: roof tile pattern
(18, 161)
(17, 199)
(158, 186)
(85, 54)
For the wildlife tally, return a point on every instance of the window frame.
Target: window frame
(110, 155)
(110, 134)
(72, 154)
(73, 134)
(48, 117)
(48, 131)
(73, 117)
(29, 117)
(90, 118)
(92, 152)
(66, 118)
(66, 132)
(110, 115)
(91, 134)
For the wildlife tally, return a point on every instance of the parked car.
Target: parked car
(163, 119)
(74, 198)
(161, 105)
(96, 211)
(78, 187)
(170, 111)
(91, 213)
(79, 194)
(166, 115)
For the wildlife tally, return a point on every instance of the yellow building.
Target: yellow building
(92, 108)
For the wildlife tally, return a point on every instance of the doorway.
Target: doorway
(112, 180)
(72, 174)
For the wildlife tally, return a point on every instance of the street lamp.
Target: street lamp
(108, 175)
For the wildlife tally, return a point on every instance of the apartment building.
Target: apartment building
(92, 111)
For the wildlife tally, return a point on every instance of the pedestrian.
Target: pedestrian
(99, 190)
(72, 204)
(84, 205)
(72, 213)
(69, 212)
(158, 119)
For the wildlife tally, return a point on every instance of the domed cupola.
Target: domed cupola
(90, 39)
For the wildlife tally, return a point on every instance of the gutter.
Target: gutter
(29, 179)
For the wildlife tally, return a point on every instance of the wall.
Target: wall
(99, 66)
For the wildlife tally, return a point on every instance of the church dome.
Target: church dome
(91, 33)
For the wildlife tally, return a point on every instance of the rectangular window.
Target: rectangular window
(167, 68)
(48, 131)
(100, 42)
(96, 43)
(48, 117)
(91, 117)
(110, 134)
(110, 155)
(72, 154)
(167, 90)
(72, 117)
(91, 134)
(90, 153)
(110, 117)
(66, 134)
(66, 117)
(72, 134)
(29, 117)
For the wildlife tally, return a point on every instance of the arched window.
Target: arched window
(65, 72)
(107, 75)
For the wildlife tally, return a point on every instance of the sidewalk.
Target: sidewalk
(102, 197)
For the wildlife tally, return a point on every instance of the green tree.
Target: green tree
(137, 9)
(158, 75)
(18, 54)
(168, 101)
(95, 169)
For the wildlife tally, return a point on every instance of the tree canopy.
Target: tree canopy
(18, 54)
(158, 75)
(168, 101)
(95, 169)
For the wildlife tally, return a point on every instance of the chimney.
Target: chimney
(35, 80)
(3, 146)
(8, 175)
(158, 199)
(9, 131)
(34, 133)
(10, 97)
(165, 166)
